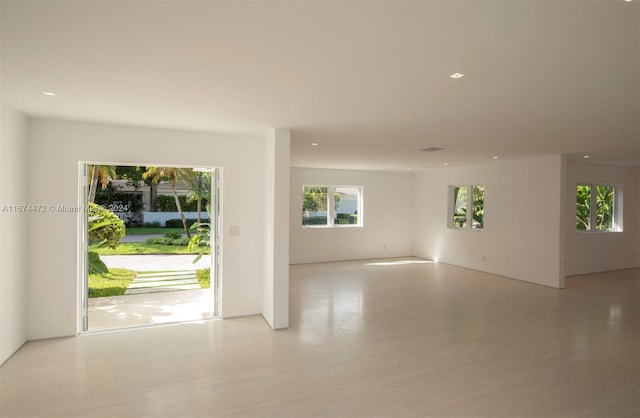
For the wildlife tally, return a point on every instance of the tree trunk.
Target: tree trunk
(199, 215)
(153, 197)
(179, 207)
(94, 184)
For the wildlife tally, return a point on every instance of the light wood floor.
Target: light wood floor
(374, 338)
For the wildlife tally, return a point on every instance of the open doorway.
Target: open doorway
(149, 245)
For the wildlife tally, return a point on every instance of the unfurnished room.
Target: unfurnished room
(320, 208)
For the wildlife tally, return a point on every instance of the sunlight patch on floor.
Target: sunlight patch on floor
(399, 262)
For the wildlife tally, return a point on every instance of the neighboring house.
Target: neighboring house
(126, 207)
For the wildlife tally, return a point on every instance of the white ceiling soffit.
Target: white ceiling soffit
(367, 81)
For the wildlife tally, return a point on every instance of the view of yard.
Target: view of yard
(115, 281)
(116, 227)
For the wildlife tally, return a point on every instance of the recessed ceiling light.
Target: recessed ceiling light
(495, 157)
(586, 157)
(315, 144)
(48, 93)
(445, 163)
(456, 75)
(408, 169)
(628, 1)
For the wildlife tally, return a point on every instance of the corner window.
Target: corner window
(466, 207)
(598, 207)
(332, 206)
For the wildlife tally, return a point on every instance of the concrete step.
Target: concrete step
(158, 279)
(165, 273)
(167, 281)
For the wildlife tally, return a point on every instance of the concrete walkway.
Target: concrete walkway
(156, 262)
(163, 282)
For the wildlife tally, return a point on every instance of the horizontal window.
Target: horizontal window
(332, 206)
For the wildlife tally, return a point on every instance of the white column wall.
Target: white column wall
(56, 147)
(522, 236)
(276, 225)
(603, 251)
(387, 215)
(13, 236)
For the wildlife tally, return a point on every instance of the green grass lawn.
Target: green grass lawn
(113, 283)
(152, 231)
(132, 248)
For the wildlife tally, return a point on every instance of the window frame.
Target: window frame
(470, 207)
(331, 210)
(617, 221)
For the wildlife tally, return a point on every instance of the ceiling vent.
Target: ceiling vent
(432, 149)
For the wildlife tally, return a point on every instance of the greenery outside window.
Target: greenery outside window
(477, 220)
(607, 215)
(460, 200)
(459, 207)
(332, 206)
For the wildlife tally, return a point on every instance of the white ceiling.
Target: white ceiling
(368, 81)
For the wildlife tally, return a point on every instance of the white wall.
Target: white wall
(56, 147)
(276, 229)
(603, 251)
(387, 216)
(522, 236)
(13, 237)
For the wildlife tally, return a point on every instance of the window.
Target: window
(460, 200)
(332, 206)
(477, 220)
(460, 207)
(607, 215)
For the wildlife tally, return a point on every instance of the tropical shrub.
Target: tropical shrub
(201, 240)
(204, 278)
(104, 226)
(315, 199)
(583, 208)
(315, 220)
(169, 240)
(152, 225)
(173, 235)
(345, 218)
(604, 210)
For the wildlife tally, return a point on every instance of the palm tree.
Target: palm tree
(199, 184)
(173, 174)
(102, 173)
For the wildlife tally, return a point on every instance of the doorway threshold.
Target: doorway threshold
(146, 309)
